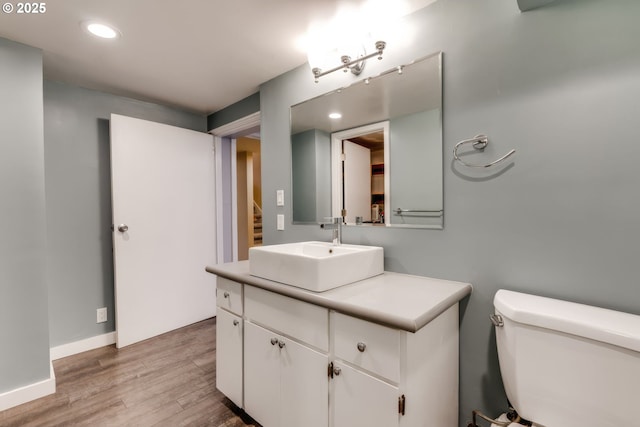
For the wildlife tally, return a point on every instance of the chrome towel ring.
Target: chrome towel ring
(479, 142)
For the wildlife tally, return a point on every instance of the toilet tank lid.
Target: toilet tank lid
(599, 324)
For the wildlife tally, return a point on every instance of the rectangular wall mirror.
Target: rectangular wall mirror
(372, 152)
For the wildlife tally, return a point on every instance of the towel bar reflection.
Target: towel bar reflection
(428, 213)
(479, 142)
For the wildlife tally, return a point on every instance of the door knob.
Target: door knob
(337, 371)
(123, 228)
(274, 341)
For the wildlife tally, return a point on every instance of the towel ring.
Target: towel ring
(479, 142)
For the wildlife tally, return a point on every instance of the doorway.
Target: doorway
(249, 193)
(360, 174)
(239, 187)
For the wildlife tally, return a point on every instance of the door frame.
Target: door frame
(229, 130)
(336, 165)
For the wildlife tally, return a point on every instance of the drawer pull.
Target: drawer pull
(281, 344)
(361, 347)
(336, 371)
(236, 322)
(226, 294)
(274, 341)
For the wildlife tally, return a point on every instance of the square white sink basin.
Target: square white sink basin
(316, 266)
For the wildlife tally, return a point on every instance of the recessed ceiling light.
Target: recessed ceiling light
(335, 116)
(101, 30)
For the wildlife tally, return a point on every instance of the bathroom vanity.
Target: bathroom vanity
(378, 352)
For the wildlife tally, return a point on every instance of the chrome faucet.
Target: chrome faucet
(336, 227)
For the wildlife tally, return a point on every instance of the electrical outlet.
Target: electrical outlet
(101, 315)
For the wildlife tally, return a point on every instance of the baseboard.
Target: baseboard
(46, 387)
(87, 344)
(30, 392)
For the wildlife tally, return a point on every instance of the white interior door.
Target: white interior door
(163, 190)
(357, 181)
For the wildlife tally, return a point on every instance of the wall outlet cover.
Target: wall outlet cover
(101, 315)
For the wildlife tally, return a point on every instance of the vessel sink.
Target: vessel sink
(316, 266)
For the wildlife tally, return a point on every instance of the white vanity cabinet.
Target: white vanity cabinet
(387, 377)
(229, 340)
(285, 361)
(295, 358)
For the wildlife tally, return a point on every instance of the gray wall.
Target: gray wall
(303, 175)
(416, 166)
(560, 85)
(24, 330)
(311, 176)
(78, 196)
(238, 110)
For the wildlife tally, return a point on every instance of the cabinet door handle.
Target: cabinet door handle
(281, 344)
(361, 347)
(236, 322)
(274, 341)
(336, 371)
(226, 294)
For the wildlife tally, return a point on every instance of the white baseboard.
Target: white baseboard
(87, 344)
(29, 392)
(46, 387)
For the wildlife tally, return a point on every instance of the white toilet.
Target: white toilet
(568, 365)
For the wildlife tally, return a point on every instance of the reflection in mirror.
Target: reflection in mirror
(394, 122)
(358, 158)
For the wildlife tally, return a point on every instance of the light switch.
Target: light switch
(279, 197)
(280, 222)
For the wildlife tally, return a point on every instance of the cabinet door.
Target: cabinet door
(360, 400)
(229, 356)
(304, 386)
(261, 375)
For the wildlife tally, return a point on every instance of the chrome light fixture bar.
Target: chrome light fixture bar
(355, 65)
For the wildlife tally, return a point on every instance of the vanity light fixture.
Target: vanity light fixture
(101, 30)
(335, 116)
(354, 65)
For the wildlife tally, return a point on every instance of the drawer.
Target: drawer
(288, 316)
(229, 295)
(373, 347)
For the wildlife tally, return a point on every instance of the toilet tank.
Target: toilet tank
(568, 365)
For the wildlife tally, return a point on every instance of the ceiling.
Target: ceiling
(199, 55)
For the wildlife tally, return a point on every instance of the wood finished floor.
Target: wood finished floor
(165, 381)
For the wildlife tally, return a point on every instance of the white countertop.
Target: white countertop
(397, 300)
